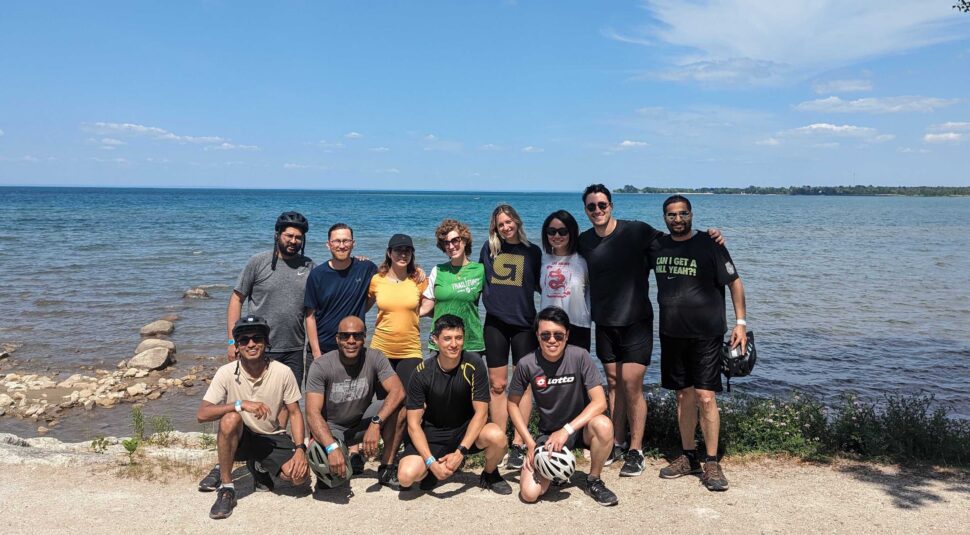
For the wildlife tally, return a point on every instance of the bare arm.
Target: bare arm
(395, 396)
(518, 421)
(427, 306)
(296, 468)
(210, 412)
(319, 429)
(595, 407)
(311, 332)
(233, 311)
(739, 334)
(476, 424)
(416, 433)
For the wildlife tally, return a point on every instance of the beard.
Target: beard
(284, 249)
(684, 231)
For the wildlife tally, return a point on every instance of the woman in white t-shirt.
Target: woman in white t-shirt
(564, 277)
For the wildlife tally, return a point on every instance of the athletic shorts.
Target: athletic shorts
(403, 368)
(354, 433)
(580, 337)
(690, 362)
(573, 442)
(270, 451)
(629, 343)
(293, 360)
(500, 337)
(440, 441)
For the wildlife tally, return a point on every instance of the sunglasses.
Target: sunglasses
(558, 335)
(454, 242)
(341, 243)
(562, 231)
(591, 207)
(673, 215)
(244, 339)
(344, 336)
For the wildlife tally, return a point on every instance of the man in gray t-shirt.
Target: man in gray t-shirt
(568, 391)
(340, 387)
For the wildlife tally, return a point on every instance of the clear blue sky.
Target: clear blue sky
(485, 95)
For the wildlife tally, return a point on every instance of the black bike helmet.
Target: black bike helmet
(250, 324)
(292, 219)
(737, 364)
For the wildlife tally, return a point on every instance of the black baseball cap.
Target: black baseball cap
(400, 240)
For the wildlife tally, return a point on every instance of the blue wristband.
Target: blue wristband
(429, 460)
(230, 342)
(238, 406)
(329, 449)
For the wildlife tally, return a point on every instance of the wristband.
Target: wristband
(230, 342)
(569, 429)
(462, 450)
(238, 405)
(429, 460)
(301, 447)
(329, 449)
(741, 321)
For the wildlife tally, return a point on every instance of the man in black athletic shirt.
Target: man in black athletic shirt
(616, 252)
(692, 272)
(447, 404)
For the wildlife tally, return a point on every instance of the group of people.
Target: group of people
(431, 413)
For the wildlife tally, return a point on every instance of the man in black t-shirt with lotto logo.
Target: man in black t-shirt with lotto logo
(692, 272)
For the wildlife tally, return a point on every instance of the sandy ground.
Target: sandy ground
(769, 496)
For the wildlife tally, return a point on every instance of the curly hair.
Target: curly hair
(451, 225)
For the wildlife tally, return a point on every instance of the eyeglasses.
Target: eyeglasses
(244, 339)
(558, 335)
(402, 250)
(344, 336)
(562, 231)
(341, 242)
(673, 215)
(454, 242)
(591, 207)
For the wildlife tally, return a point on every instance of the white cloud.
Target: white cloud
(842, 86)
(746, 42)
(324, 144)
(120, 161)
(626, 145)
(876, 105)
(770, 142)
(230, 146)
(946, 137)
(112, 142)
(909, 150)
(610, 33)
(430, 137)
(389, 170)
(154, 132)
(950, 126)
(303, 166)
(490, 146)
(434, 143)
(839, 130)
(532, 150)
(353, 135)
(379, 149)
(822, 135)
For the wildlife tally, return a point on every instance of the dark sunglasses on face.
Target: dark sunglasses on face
(454, 242)
(402, 250)
(673, 215)
(591, 207)
(559, 336)
(344, 336)
(244, 339)
(562, 231)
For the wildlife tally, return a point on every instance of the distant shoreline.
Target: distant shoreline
(822, 191)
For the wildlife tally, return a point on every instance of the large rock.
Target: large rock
(137, 389)
(5, 401)
(152, 359)
(157, 327)
(195, 293)
(152, 343)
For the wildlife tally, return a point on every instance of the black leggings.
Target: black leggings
(501, 336)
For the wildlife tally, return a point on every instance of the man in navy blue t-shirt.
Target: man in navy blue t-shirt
(335, 289)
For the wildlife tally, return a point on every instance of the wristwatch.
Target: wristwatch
(301, 447)
(377, 420)
(463, 450)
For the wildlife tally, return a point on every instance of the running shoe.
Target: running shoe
(516, 457)
(357, 463)
(615, 455)
(429, 482)
(211, 481)
(225, 502)
(713, 477)
(387, 476)
(632, 463)
(493, 481)
(681, 466)
(600, 494)
(262, 481)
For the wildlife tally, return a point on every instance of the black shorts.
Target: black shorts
(440, 441)
(354, 433)
(403, 368)
(500, 337)
(629, 343)
(293, 359)
(690, 362)
(574, 441)
(270, 451)
(580, 337)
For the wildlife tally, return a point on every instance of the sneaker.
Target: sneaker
(681, 466)
(211, 481)
(429, 482)
(713, 477)
(387, 476)
(357, 463)
(516, 457)
(493, 481)
(262, 481)
(225, 502)
(632, 463)
(599, 493)
(615, 455)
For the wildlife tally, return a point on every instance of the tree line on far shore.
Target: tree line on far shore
(913, 191)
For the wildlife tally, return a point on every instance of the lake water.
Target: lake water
(869, 295)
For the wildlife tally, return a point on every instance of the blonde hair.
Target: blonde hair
(494, 241)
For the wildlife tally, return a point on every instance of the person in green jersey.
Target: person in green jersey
(454, 287)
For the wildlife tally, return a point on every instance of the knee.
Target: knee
(601, 427)
(706, 399)
(409, 471)
(230, 423)
(686, 395)
(528, 497)
(498, 386)
(491, 435)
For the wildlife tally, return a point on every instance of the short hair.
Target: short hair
(447, 321)
(445, 228)
(597, 188)
(676, 198)
(339, 226)
(570, 222)
(553, 314)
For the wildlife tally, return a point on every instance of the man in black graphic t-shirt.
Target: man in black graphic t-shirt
(692, 272)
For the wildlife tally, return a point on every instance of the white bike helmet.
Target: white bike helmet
(555, 466)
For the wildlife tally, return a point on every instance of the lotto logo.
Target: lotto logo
(542, 381)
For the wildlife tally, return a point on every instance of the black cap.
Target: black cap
(400, 240)
(250, 323)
